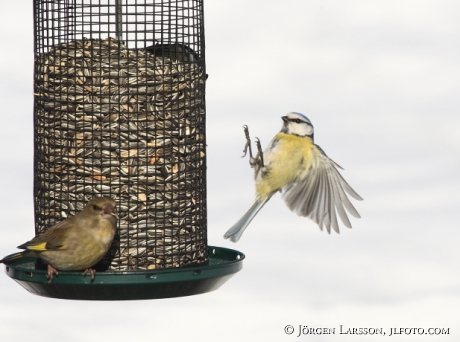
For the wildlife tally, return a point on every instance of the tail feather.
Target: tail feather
(235, 232)
(14, 257)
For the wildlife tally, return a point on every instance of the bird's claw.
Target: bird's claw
(260, 154)
(258, 161)
(50, 274)
(248, 143)
(91, 271)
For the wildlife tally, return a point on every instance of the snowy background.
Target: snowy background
(380, 80)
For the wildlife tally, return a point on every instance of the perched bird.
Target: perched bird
(308, 179)
(77, 243)
(175, 51)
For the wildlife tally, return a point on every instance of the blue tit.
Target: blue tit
(308, 179)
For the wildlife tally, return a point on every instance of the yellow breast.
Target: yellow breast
(290, 157)
(105, 233)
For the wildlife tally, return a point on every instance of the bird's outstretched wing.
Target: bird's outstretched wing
(321, 193)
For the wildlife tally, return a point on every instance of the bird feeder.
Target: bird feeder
(119, 111)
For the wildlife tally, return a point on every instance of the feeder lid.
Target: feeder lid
(129, 285)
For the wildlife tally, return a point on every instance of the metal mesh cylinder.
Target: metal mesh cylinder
(119, 111)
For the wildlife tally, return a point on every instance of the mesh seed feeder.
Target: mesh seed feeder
(119, 111)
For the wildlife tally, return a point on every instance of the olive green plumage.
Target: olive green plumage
(77, 243)
(176, 51)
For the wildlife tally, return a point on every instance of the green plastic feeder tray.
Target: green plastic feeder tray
(129, 285)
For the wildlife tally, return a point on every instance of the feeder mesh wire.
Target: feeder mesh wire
(119, 111)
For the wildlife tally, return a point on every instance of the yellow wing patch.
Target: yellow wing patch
(41, 247)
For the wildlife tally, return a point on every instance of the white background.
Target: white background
(380, 80)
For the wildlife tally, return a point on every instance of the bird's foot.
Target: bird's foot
(248, 143)
(51, 272)
(260, 154)
(258, 161)
(91, 271)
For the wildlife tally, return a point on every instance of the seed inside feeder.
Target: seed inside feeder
(124, 123)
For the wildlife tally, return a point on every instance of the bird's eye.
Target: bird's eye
(96, 207)
(297, 121)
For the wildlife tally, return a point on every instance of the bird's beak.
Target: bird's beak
(285, 118)
(109, 209)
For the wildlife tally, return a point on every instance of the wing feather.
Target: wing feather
(321, 193)
(52, 239)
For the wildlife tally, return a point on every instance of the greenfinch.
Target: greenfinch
(77, 243)
(175, 51)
